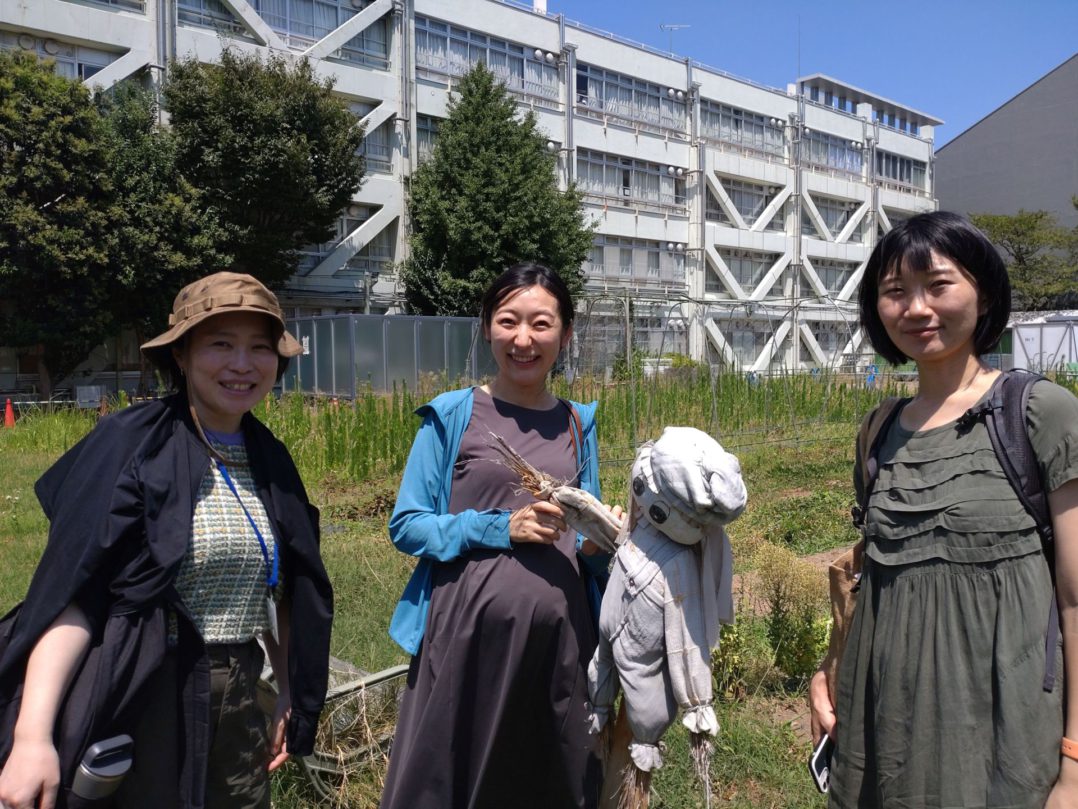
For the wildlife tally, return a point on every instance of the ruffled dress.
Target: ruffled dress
(940, 698)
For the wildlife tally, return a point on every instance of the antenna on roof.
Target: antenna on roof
(670, 27)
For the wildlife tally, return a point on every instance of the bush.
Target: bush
(744, 663)
(798, 626)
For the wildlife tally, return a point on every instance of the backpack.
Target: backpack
(1004, 415)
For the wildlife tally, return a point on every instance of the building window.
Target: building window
(370, 46)
(748, 266)
(377, 148)
(902, 170)
(833, 274)
(629, 98)
(836, 215)
(628, 180)
(132, 5)
(732, 125)
(301, 23)
(426, 131)
(311, 255)
(831, 337)
(448, 50)
(376, 256)
(896, 217)
(638, 262)
(750, 199)
(831, 151)
(70, 61)
(746, 341)
(209, 14)
(713, 212)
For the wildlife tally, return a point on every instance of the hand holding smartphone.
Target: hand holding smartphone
(819, 763)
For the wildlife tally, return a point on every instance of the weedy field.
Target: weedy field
(794, 436)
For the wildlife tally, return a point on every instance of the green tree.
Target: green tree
(487, 198)
(165, 237)
(56, 215)
(1032, 245)
(273, 151)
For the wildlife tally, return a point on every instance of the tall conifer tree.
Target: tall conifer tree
(487, 198)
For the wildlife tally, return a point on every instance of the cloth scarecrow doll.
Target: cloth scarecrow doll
(668, 595)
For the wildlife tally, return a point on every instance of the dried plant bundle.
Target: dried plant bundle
(582, 511)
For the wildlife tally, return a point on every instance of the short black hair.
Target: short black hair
(523, 275)
(910, 243)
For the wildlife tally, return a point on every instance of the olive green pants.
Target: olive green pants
(236, 777)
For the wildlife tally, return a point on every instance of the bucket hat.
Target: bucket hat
(218, 294)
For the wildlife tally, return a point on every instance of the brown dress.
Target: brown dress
(496, 711)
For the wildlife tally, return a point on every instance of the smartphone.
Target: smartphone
(103, 767)
(820, 763)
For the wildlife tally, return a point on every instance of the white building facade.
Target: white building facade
(733, 219)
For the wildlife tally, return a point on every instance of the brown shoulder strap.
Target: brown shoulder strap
(576, 428)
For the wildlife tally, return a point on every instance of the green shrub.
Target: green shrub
(744, 664)
(797, 624)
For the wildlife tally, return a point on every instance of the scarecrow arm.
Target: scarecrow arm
(687, 654)
(588, 516)
(602, 684)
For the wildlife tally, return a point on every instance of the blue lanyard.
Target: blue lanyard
(271, 568)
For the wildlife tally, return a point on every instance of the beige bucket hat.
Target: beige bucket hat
(218, 294)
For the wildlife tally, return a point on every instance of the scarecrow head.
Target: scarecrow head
(686, 485)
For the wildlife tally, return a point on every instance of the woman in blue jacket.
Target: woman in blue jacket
(499, 613)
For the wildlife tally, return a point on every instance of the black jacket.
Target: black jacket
(120, 504)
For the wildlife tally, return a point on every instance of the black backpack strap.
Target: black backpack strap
(1005, 417)
(869, 438)
(1010, 440)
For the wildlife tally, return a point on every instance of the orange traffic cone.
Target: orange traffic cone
(9, 414)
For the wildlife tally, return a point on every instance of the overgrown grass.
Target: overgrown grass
(794, 440)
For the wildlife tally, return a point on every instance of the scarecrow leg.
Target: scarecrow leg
(617, 761)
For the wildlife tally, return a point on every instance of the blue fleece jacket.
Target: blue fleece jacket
(422, 526)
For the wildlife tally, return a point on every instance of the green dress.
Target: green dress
(940, 700)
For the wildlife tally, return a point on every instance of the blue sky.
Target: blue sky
(955, 59)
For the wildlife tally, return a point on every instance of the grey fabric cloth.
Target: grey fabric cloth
(653, 649)
(939, 698)
(495, 714)
(669, 591)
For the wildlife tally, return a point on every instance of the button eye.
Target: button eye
(657, 513)
(638, 485)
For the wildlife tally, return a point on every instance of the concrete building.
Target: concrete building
(735, 218)
(1023, 155)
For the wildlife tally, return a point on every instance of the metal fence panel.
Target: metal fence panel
(323, 357)
(400, 350)
(431, 346)
(369, 334)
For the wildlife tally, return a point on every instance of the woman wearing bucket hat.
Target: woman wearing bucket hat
(179, 534)
(497, 614)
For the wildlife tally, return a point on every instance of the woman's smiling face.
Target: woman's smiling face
(526, 334)
(930, 314)
(230, 363)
